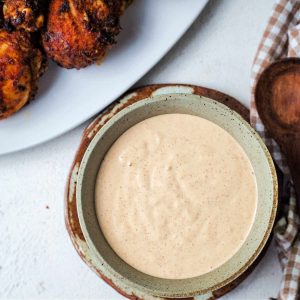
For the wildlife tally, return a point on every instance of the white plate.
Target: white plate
(67, 98)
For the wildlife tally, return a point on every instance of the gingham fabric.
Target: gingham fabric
(281, 39)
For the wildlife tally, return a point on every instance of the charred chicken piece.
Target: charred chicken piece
(21, 64)
(25, 14)
(80, 32)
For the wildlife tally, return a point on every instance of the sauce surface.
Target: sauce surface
(176, 196)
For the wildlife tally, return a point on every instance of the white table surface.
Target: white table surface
(37, 259)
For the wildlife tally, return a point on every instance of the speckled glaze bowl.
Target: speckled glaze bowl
(103, 258)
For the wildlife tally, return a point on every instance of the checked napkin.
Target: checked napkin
(281, 39)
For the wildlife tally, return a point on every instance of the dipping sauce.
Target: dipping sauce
(176, 196)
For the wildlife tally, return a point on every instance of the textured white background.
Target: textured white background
(37, 259)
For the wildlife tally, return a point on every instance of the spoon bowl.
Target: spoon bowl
(277, 97)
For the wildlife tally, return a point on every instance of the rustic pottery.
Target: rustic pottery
(81, 220)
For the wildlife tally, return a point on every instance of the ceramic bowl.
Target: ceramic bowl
(105, 259)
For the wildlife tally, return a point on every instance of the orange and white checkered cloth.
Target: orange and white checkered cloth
(281, 39)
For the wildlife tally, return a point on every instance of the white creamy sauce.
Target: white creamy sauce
(176, 196)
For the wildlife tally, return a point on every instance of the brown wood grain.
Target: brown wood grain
(278, 103)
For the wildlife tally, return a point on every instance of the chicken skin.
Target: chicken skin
(25, 14)
(80, 32)
(21, 64)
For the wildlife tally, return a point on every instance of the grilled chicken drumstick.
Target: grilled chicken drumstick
(21, 64)
(79, 32)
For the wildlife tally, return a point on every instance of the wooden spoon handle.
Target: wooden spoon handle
(292, 152)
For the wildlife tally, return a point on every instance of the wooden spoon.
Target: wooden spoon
(277, 97)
